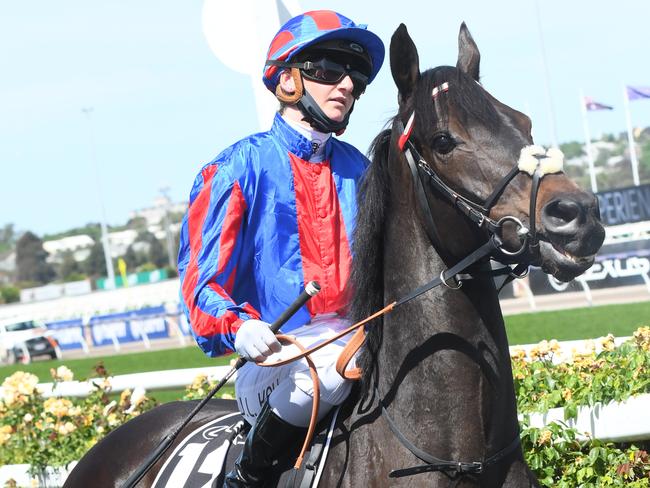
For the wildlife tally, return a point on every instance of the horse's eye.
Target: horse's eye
(443, 143)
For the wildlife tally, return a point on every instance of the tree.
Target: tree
(92, 229)
(572, 149)
(157, 253)
(95, 264)
(131, 258)
(31, 264)
(7, 237)
(69, 266)
(137, 223)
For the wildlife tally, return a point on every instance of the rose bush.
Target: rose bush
(554, 452)
(55, 431)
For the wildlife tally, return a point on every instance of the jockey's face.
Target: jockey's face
(335, 100)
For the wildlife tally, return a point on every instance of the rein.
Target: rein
(433, 463)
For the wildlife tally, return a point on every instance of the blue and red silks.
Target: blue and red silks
(262, 221)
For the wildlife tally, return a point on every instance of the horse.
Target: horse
(438, 404)
(450, 181)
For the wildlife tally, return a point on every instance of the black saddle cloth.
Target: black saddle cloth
(203, 457)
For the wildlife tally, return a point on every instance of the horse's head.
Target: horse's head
(482, 149)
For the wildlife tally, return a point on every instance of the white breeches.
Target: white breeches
(289, 388)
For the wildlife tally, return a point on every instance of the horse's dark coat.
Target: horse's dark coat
(440, 364)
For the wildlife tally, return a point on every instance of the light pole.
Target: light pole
(547, 81)
(168, 232)
(87, 111)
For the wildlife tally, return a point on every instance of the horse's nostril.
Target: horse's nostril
(560, 214)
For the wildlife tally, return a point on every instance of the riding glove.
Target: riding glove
(255, 341)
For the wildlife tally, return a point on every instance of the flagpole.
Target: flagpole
(590, 154)
(630, 138)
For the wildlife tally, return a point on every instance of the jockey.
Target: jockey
(271, 213)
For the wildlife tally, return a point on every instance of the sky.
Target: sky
(102, 104)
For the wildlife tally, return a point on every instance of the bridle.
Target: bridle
(533, 160)
(536, 162)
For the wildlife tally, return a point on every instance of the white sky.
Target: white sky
(163, 104)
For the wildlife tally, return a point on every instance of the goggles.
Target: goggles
(328, 72)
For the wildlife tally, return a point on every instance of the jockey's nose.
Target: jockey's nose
(346, 84)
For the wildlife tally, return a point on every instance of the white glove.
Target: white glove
(255, 341)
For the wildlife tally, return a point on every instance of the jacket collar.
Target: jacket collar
(293, 141)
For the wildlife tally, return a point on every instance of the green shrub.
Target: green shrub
(9, 294)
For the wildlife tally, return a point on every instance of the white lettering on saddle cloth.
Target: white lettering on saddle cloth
(199, 459)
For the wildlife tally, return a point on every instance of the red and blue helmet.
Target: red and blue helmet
(316, 27)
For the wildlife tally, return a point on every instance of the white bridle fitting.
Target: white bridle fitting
(536, 158)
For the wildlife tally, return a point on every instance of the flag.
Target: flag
(590, 104)
(638, 92)
(121, 265)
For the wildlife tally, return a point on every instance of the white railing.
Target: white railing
(152, 380)
(616, 422)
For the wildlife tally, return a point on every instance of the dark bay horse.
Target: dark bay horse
(440, 365)
(436, 402)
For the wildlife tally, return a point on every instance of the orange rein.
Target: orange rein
(348, 352)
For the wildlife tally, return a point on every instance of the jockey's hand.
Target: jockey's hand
(255, 341)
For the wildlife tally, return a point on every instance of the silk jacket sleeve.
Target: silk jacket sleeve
(211, 244)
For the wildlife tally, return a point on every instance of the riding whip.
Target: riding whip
(311, 289)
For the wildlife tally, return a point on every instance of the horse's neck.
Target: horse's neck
(445, 351)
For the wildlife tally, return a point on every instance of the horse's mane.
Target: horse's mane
(366, 278)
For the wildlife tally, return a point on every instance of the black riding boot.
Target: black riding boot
(268, 438)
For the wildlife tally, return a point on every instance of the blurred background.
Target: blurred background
(110, 109)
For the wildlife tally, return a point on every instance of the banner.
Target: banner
(625, 205)
(129, 326)
(69, 334)
(617, 264)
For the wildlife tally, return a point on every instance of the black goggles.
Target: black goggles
(328, 72)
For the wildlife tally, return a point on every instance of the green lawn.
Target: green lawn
(186, 357)
(580, 323)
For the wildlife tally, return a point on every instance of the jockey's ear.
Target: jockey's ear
(289, 89)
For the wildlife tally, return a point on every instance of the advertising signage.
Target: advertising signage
(625, 205)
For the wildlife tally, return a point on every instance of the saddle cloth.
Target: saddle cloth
(205, 455)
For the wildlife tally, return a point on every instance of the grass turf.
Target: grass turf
(186, 357)
(579, 323)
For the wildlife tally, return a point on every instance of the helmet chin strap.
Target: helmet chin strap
(315, 116)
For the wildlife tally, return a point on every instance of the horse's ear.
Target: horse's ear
(404, 62)
(468, 55)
